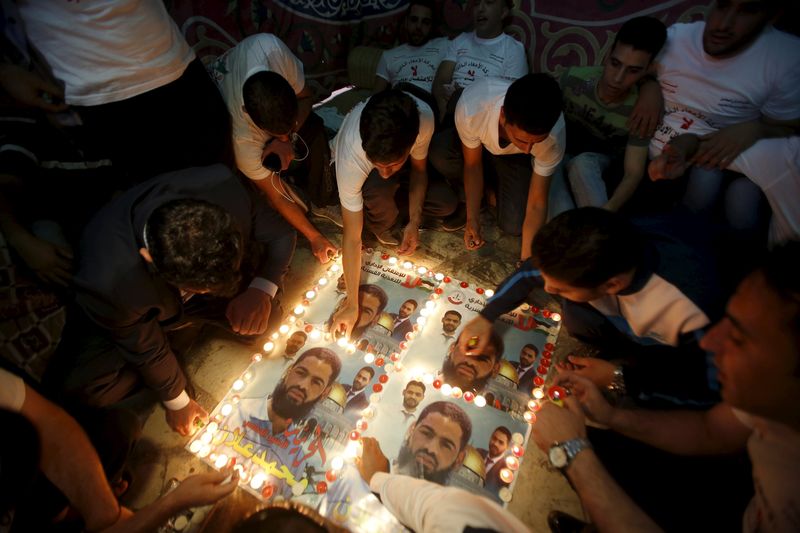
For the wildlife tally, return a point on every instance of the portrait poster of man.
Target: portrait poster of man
(291, 412)
(503, 373)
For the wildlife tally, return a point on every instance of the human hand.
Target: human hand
(719, 149)
(283, 149)
(51, 263)
(203, 489)
(248, 313)
(598, 371)
(410, 240)
(585, 392)
(472, 236)
(30, 89)
(182, 420)
(646, 113)
(475, 336)
(557, 424)
(345, 319)
(670, 165)
(372, 459)
(322, 249)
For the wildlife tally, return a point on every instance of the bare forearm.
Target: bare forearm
(624, 191)
(473, 190)
(71, 463)
(416, 196)
(351, 262)
(609, 507)
(681, 432)
(288, 209)
(534, 219)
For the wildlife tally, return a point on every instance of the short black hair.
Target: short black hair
(325, 355)
(368, 369)
(299, 332)
(415, 383)
(504, 430)
(585, 247)
(452, 312)
(779, 268)
(195, 245)
(377, 292)
(642, 33)
(453, 412)
(430, 4)
(270, 101)
(532, 347)
(533, 103)
(389, 126)
(411, 300)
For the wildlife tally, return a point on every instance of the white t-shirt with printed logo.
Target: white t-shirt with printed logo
(476, 58)
(413, 64)
(257, 53)
(477, 118)
(703, 94)
(352, 164)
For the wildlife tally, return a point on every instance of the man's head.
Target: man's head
(270, 102)
(363, 377)
(305, 382)
(413, 394)
(436, 443)
(527, 355)
(195, 246)
(472, 372)
(408, 307)
(530, 109)
(419, 21)
(450, 322)
(295, 341)
(488, 16)
(586, 253)
(372, 301)
(732, 25)
(389, 127)
(498, 442)
(756, 345)
(636, 45)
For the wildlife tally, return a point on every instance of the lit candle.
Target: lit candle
(392, 260)
(446, 389)
(538, 393)
(337, 463)
(480, 401)
(226, 409)
(439, 276)
(322, 282)
(195, 446)
(310, 295)
(512, 463)
(422, 270)
(506, 475)
(299, 309)
(489, 293)
(284, 329)
(407, 264)
(221, 461)
(258, 480)
(257, 356)
(315, 334)
(369, 358)
(238, 385)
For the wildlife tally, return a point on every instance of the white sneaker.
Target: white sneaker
(329, 212)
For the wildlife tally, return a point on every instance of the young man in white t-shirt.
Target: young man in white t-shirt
(514, 134)
(264, 88)
(416, 61)
(756, 349)
(483, 53)
(376, 140)
(732, 100)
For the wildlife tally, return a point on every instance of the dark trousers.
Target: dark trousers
(182, 124)
(681, 493)
(385, 200)
(313, 175)
(509, 175)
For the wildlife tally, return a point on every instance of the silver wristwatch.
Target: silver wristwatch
(562, 453)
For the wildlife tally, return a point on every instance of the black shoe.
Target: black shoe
(560, 522)
(457, 220)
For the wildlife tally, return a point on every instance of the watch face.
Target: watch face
(558, 457)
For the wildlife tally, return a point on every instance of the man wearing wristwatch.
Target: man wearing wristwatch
(756, 349)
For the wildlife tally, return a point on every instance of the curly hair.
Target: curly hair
(196, 245)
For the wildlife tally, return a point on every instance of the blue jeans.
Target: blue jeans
(585, 175)
(741, 198)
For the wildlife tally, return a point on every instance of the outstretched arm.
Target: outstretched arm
(609, 507)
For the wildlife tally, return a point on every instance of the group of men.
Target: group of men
(193, 242)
